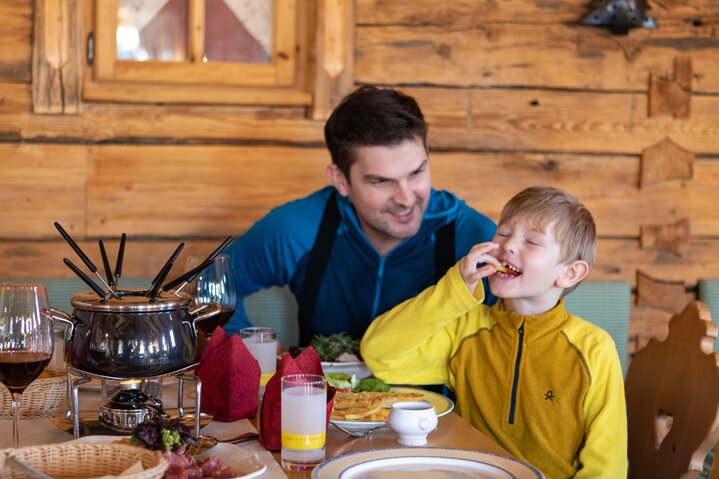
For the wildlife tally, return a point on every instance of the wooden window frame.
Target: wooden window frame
(322, 72)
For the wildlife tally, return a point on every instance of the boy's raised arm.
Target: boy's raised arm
(412, 343)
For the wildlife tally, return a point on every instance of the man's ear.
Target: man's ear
(573, 273)
(338, 179)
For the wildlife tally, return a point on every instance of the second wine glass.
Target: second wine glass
(26, 340)
(215, 284)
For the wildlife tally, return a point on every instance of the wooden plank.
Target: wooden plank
(466, 13)
(525, 120)
(191, 191)
(171, 124)
(16, 41)
(533, 55)
(529, 120)
(57, 57)
(39, 186)
(143, 258)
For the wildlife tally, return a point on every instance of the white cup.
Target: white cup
(413, 421)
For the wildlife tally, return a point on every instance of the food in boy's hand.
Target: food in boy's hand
(368, 406)
(507, 270)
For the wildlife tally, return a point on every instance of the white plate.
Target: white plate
(424, 463)
(354, 367)
(442, 405)
(244, 464)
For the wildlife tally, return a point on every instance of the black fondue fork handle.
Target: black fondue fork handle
(189, 276)
(106, 264)
(120, 255)
(91, 266)
(100, 292)
(162, 275)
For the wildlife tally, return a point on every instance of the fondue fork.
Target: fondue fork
(189, 276)
(157, 282)
(120, 255)
(91, 266)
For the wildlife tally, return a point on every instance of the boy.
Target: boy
(545, 385)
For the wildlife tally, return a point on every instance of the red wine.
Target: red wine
(19, 368)
(208, 325)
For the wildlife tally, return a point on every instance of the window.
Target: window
(260, 52)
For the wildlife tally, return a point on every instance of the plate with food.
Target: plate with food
(420, 463)
(360, 411)
(173, 440)
(339, 353)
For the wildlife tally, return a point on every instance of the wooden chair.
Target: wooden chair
(672, 391)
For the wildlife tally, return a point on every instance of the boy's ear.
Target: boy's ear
(573, 273)
(338, 179)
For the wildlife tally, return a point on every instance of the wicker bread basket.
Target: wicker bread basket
(41, 396)
(85, 460)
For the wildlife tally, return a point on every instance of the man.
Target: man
(377, 237)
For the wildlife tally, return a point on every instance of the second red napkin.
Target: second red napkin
(308, 362)
(230, 378)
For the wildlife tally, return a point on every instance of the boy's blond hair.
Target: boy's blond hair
(574, 226)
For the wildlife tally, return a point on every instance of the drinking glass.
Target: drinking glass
(215, 284)
(262, 344)
(26, 340)
(304, 420)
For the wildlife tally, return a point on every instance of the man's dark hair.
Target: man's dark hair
(372, 116)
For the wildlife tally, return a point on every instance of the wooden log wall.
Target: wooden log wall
(517, 93)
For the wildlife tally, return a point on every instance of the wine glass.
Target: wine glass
(215, 284)
(26, 340)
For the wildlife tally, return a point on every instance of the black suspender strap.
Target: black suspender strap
(319, 257)
(443, 250)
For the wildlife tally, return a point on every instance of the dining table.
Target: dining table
(452, 432)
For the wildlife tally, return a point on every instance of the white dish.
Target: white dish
(244, 464)
(442, 405)
(354, 367)
(424, 463)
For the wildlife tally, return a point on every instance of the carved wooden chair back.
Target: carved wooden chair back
(672, 391)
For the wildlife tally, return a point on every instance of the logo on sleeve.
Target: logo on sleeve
(549, 396)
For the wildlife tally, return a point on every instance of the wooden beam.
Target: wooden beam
(334, 55)
(57, 57)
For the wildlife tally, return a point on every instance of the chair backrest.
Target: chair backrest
(277, 308)
(607, 305)
(672, 391)
(708, 293)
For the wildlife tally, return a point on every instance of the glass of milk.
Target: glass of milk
(304, 420)
(262, 343)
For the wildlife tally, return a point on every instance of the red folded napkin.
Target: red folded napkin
(230, 378)
(308, 362)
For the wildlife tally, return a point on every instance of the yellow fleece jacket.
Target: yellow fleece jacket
(547, 388)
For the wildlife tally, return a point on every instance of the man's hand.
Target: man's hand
(479, 254)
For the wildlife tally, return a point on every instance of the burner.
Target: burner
(127, 408)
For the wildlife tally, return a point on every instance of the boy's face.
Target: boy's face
(389, 189)
(535, 254)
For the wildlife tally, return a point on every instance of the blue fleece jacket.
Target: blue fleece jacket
(358, 284)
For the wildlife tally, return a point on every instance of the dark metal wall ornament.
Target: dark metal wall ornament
(619, 15)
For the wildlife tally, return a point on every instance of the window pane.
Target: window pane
(238, 31)
(152, 30)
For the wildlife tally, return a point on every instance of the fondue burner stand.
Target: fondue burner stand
(77, 377)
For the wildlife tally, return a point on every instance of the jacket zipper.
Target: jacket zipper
(515, 382)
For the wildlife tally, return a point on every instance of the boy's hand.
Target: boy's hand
(477, 255)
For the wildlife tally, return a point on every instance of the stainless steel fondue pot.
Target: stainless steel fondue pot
(132, 335)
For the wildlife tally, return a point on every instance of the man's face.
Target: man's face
(389, 188)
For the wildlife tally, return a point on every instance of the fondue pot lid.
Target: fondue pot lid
(131, 301)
